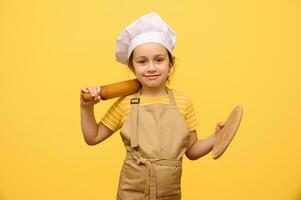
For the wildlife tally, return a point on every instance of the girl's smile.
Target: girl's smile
(152, 77)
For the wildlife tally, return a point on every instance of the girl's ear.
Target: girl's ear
(171, 63)
(170, 71)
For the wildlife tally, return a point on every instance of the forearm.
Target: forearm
(88, 123)
(201, 147)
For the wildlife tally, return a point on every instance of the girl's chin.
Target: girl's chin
(152, 84)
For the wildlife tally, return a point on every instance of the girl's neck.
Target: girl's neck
(154, 92)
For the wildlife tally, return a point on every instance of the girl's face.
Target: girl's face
(151, 64)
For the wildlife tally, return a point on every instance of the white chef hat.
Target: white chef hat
(148, 28)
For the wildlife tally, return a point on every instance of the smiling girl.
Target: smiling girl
(157, 124)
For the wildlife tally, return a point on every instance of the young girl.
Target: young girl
(157, 124)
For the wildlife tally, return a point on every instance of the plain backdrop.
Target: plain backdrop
(228, 53)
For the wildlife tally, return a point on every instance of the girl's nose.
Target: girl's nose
(151, 66)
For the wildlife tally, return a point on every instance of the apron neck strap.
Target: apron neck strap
(169, 92)
(171, 96)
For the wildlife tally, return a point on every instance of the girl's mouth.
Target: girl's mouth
(152, 77)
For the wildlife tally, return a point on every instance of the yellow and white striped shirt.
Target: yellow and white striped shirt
(118, 112)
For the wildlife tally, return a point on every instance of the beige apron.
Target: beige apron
(156, 138)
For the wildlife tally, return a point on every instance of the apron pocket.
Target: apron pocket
(168, 180)
(132, 178)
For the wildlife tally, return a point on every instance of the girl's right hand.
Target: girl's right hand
(95, 93)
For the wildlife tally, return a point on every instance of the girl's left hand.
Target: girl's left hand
(219, 127)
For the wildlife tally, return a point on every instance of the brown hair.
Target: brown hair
(171, 63)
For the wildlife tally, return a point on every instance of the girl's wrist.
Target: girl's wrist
(213, 138)
(87, 107)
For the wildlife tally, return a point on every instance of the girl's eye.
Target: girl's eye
(141, 61)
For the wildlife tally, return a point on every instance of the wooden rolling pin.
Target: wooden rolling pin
(119, 89)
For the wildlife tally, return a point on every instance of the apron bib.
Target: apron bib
(155, 137)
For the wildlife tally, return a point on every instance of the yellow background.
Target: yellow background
(229, 53)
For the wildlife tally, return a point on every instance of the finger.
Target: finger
(91, 91)
(84, 90)
(219, 127)
(95, 91)
(221, 124)
(98, 90)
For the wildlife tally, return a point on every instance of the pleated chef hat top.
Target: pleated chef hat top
(148, 28)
